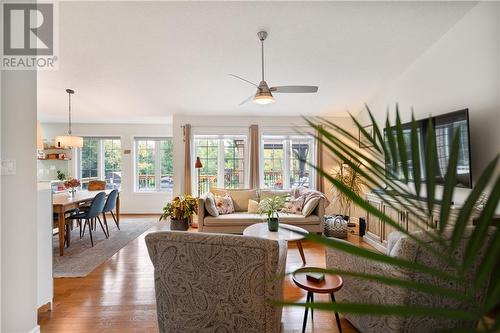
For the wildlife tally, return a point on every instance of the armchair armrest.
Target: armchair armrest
(201, 213)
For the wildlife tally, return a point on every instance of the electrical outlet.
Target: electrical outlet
(8, 167)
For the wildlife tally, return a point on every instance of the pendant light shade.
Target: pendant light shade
(69, 141)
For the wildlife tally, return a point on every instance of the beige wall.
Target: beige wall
(461, 70)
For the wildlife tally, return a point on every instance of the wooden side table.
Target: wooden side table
(329, 285)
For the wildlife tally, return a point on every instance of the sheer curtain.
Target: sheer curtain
(187, 159)
(319, 160)
(253, 149)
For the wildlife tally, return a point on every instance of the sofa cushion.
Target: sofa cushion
(240, 197)
(310, 206)
(253, 206)
(224, 204)
(210, 206)
(249, 219)
(273, 193)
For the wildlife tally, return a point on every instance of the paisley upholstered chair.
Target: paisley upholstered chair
(358, 290)
(217, 283)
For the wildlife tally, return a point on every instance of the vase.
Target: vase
(179, 225)
(273, 223)
(72, 192)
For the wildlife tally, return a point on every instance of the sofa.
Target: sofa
(217, 283)
(358, 290)
(236, 222)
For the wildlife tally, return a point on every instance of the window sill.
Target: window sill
(154, 192)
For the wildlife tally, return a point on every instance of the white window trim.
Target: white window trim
(100, 155)
(135, 185)
(279, 135)
(220, 158)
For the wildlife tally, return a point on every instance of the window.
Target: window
(100, 159)
(285, 161)
(154, 164)
(223, 158)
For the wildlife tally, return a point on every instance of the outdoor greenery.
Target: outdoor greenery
(369, 164)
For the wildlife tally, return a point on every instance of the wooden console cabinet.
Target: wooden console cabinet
(377, 232)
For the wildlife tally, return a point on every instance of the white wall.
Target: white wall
(225, 124)
(19, 202)
(131, 201)
(461, 70)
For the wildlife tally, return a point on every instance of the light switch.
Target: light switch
(8, 167)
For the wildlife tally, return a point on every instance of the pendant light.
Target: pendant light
(69, 141)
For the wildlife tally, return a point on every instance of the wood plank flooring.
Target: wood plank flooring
(118, 297)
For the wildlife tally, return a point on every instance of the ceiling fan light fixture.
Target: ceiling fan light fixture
(263, 98)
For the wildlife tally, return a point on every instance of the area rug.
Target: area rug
(80, 258)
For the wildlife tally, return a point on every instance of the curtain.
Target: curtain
(187, 158)
(320, 186)
(253, 148)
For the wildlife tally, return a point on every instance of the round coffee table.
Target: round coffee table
(261, 230)
(329, 285)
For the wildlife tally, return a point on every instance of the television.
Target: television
(445, 127)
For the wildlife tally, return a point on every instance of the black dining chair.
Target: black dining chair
(90, 215)
(108, 208)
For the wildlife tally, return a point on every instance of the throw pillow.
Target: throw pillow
(210, 206)
(224, 204)
(294, 206)
(310, 206)
(253, 206)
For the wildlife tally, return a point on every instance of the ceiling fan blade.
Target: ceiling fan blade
(294, 89)
(247, 100)
(242, 79)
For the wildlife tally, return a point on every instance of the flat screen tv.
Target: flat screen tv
(445, 126)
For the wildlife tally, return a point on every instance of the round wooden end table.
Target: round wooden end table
(261, 230)
(329, 285)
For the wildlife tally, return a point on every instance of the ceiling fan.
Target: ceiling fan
(264, 94)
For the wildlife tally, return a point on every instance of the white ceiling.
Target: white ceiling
(143, 62)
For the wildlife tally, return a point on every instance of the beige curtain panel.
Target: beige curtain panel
(253, 148)
(187, 158)
(320, 186)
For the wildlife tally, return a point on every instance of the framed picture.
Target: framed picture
(363, 141)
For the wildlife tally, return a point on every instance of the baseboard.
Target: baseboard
(35, 329)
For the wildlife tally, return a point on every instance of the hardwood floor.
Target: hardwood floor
(118, 297)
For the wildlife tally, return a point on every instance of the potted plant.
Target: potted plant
(180, 210)
(350, 179)
(270, 207)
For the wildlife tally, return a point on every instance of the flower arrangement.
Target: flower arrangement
(180, 208)
(270, 207)
(72, 183)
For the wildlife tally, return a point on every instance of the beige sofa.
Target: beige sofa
(236, 222)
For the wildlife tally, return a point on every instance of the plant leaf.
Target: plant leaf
(403, 159)
(466, 210)
(415, 150)
(450, 182)
(430, 167)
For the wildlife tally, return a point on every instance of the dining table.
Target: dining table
(65, 202)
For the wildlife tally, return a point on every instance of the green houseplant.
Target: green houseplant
(465, 272)
(270, 207)
(352, 180)
(180, 211)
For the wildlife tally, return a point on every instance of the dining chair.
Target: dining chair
(91, 215)
(108, 208)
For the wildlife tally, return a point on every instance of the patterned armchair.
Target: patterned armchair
(356, 290)
(217, 283)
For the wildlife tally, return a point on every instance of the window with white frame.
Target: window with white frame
(100, 159)
(153, 164)
(223, 158)
(284, 162)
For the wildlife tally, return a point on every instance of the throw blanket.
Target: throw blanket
(309, 194)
